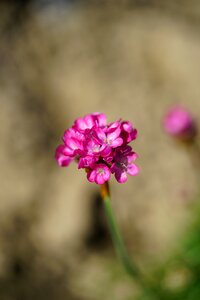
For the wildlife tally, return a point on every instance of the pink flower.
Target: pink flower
(99, 174)
(110, 136)
(99, 148)
(123, 164)
(179, 123)
(93, 145)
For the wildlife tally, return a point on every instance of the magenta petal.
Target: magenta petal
(101, 119)
(121, 176)
(86, 162)
(133, 135)
(80, 124)
(127, 126)
(100, 135)
(128, 133)
(114, 125)
(106, 152)
(68, 134)
(132, 157)
(107, 174)
(99, 179)
(111, 136)
(91, 175)
(62, 160)
(103, 177)
(132, 170)
(73, 144)
(68, 151)
(108, 158)
(94, 148)
(116, 143)
(113, 168)
(89, 121)
(127, 150)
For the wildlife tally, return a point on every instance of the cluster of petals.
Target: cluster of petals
(101, 149)
(179, 122)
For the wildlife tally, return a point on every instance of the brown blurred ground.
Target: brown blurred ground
(127, 60)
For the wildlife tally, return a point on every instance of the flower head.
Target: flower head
(99, 148)
(178, 122)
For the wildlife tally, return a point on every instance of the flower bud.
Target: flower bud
(179, 123)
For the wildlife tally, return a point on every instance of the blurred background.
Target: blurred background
(60, 60)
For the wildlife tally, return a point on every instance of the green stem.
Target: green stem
(131, 268)
(152, 288)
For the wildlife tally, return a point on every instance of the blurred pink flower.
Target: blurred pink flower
(179, 123)
(99, 148)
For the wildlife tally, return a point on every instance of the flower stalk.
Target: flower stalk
(120, 249)
(152, 289)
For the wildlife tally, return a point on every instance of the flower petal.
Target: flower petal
(68, 151)
(100, 179)
(113, 168)
(132, 157)
(100, 134)
(106, 174)
(116, 143)
(73, 143)
(86, 162)
(132, 170)
(89, 121)
(121, 176)
(91, 175)
(106, 151)
(62, 160)
(100, 118)
(112, 135)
